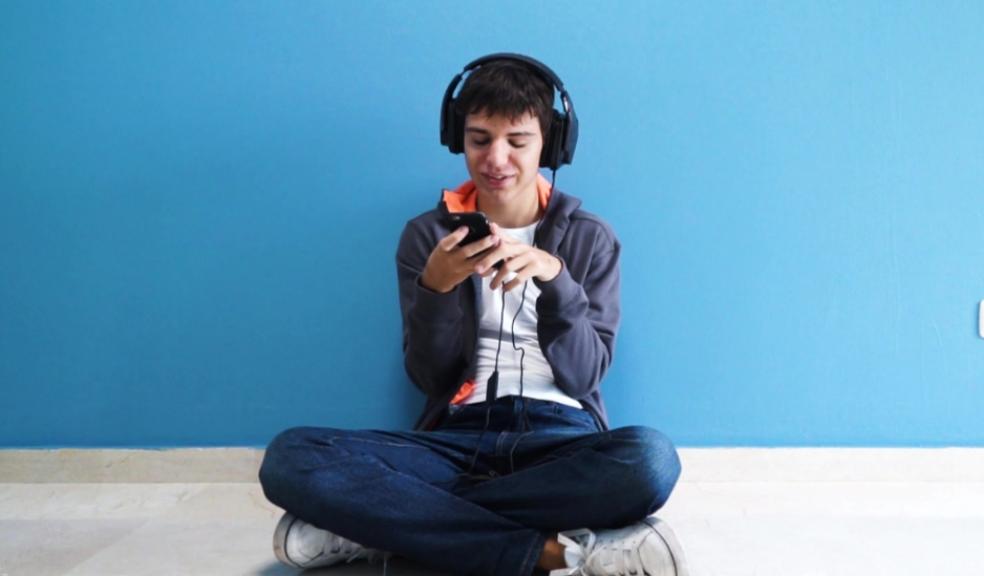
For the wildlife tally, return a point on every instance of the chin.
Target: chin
(499, 195)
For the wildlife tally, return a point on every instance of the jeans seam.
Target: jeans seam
(529, 561)
(378, 443)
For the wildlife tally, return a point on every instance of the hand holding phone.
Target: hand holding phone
(453, 258)
(478, 228)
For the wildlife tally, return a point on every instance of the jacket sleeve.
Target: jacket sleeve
(578, 320)
(432, 322)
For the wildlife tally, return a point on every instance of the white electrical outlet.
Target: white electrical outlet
(980, 320)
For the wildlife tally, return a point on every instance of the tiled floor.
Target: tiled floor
(729, 529)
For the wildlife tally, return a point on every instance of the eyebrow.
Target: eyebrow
(487, 133)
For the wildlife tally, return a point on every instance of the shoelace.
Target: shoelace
(618, 556)
(577, 545)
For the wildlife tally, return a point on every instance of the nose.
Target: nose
(498, 154)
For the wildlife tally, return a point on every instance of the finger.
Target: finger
(492, 270)
(451, 241)
(486, 262)
(521, 265)
(500, 276)
(526, 266)
(518, 280)
(480, 245)
(508, 267)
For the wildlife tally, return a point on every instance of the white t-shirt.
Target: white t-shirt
(537, 376)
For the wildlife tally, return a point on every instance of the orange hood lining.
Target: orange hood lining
(464, 198)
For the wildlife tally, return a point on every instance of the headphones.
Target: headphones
(558, 145)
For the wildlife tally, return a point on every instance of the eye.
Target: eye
(479, 141)
(518, 144)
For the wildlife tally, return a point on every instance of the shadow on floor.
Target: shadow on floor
(394, 567)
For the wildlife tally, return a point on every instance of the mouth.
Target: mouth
(497, 181)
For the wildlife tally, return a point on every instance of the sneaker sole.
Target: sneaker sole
(676, 550)
(280, 539)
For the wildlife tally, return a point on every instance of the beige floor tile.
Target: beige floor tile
(728, 529)
(184, 546)
(51, 547)
(88, 501)
(244, 502)
(829, 546)
(838, 499)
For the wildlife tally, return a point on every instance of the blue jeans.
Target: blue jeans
(464, 501)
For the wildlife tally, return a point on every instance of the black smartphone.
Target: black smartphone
(478, 228)
(477, 223)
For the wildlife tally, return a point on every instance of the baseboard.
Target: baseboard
(190, 465)
(832, 464)
(184, 465)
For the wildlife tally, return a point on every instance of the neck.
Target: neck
(514, 214)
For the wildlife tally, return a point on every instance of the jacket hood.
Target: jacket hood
(464, 198)
(558, 210)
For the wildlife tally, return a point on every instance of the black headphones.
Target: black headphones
(558, 145)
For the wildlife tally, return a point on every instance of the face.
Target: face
(503, 156)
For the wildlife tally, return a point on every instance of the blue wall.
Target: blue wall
(200, 204)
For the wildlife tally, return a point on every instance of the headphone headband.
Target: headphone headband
(558, 145)
(538, 66)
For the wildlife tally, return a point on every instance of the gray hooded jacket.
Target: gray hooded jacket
(578, 311)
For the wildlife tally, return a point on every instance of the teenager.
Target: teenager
(512, 467)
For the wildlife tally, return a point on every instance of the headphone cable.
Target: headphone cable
(491, 388)
(527, 425)
(492, 385)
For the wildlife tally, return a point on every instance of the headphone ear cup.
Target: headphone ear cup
(552, 153)
(566, 153)
(454, 128)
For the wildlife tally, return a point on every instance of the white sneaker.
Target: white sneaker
(647, 548)
(302, 545)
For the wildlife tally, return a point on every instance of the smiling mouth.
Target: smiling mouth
(492, 178)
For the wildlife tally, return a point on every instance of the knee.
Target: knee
(280, 457)
(655, 464)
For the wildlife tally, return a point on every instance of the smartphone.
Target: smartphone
(478, 228)
(477, 223)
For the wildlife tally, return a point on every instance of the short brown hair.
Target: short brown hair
(508, 88)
